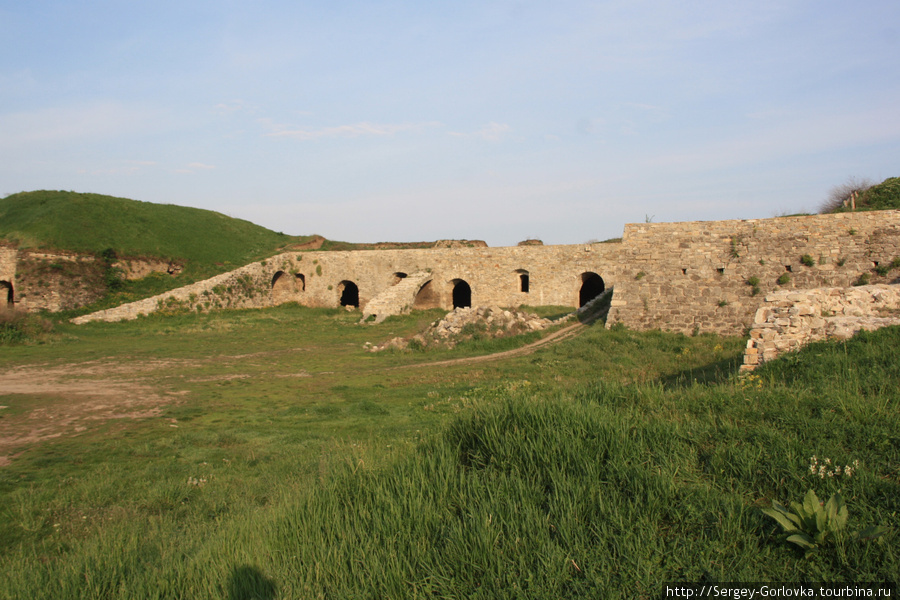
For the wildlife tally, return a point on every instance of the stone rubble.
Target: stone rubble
(790, 319)
(466, 323)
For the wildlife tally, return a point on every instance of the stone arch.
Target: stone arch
(462, 294)
(349, 292)
(591, 287)
(427, 297)
(6, 295)
(283, 288)
(300, 281)
(524, 280)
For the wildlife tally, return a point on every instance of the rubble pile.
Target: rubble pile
(462, 324)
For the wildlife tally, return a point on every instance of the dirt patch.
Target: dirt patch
(44, 402)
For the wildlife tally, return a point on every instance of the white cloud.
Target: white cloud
(492, 132)
(347, 131)
(194, 167)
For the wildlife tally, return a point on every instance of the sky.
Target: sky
(499, 120)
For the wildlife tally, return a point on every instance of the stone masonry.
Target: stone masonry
(698, 276)
(788, 320)
(553, 275)
(689, 277)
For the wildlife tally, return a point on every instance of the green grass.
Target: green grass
(93, 223)
(301, 466)
(884, 196)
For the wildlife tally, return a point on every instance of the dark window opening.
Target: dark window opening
(788, 268)
(6, 294)
(524, 280)
(684, 271)
(301, 282)
(721, 270)
(277, 276)
(398, 277)
(591, 287)
(462, 294)
(349, 294)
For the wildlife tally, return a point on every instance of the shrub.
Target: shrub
(19, 327)
(840, 194)
(863, 279)
(784, 279)
(807, 261)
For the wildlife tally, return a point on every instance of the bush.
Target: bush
(840, 194)
(784, 279)
(19, 327)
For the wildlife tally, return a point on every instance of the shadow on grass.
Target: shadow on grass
(713, 373)
(249, 583)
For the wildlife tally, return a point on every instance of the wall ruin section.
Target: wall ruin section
(699, 276)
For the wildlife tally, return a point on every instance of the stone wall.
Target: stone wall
(55, 281)
(688, 277)
(788, 320)
(697, 276)
(556, 275)
(7, 276)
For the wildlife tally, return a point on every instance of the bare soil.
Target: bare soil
(67, 399)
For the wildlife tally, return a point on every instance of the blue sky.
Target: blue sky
(496, 120)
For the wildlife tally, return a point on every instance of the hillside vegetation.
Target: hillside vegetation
(93, 223)
(884, 196)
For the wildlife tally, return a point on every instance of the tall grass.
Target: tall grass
(599, 467)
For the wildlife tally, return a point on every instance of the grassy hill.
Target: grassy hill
(93, 223)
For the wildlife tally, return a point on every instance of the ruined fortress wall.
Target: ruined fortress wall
(317, 279)
(693, 276)
(788, 320)
(7, 275)
(493, 274)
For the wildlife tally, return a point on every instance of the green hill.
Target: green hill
(93, 223)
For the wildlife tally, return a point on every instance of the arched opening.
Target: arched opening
(6, 294)
(283, 289)
(524, 280)
(591, 287)
(462, 294)
(427, 297)
(349, 293)
(301, 282)
(398, 277)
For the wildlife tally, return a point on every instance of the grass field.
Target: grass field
(264, 454)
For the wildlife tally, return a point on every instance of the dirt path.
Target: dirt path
(554, 338)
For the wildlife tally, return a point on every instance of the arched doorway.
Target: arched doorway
(591, 287)
(462, 294)
(427, 297)
(349, 293)
(282, 288)
(6, 294)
